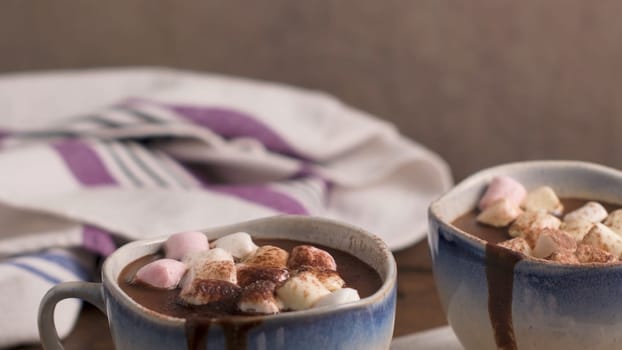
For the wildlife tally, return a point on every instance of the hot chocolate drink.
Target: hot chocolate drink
(356, 274)
(236, 277)
(538, 224)
(468, 221)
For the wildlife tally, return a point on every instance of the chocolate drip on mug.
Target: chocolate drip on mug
(235, 332)
(500, 264)
(196, 333)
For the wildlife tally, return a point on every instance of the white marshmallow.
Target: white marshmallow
(529, 224)
(214, 264)
(183, 243)
(222, 270)
(576, 228)
(307, 255)
(330, 279)
(614, 221)
(499, 214)
(338, 297)
(248, 274)
(551, 241)
(591, 211)
(590, 254)
(543, 199)
(239, 244)
(518, 244)
(216, 254)
(564, 257)
(503, 187)
(301, 291)
(163, 273)
(258, 298)
(602, 237)
(210, 278)
(268, 256)
(201, 292)
(259, 306)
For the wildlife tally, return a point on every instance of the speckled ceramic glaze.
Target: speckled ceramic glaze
(366, 324)
(552, 306)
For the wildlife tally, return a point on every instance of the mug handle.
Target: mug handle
(91, 292)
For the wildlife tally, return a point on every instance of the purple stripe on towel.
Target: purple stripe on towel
(84, 163)
(98, 240)
(3, 135)
(230, 123)
(262, 195)
(255, 193)
(305, 170)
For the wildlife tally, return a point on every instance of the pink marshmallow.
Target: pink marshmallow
(183, 243)
(163, 273)
(503, 187)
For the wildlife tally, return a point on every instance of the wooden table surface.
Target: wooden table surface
(418, 307)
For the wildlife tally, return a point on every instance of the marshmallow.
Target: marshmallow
(576, 228)
(551, 241)
(329, 278)
(222, 270)
(503, 187)
(163, 273)
(306, 255)
(248, 274)
(301, 291)
(183, 243)
(216, 254)
(517, 244)
(543, 199)
(201, 292)
(238, 244)
(338, 297)
(258, 298)
(529, 224)
(614, 221)
(215, 264)
(591, 211)
(588, 254)
(499, 214)
(564, 257)
(268, 256)
(602, 237)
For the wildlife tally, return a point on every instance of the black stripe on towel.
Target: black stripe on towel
(119, 162)
(145, 167)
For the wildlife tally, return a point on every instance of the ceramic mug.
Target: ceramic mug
(544, 305)
(365, 324)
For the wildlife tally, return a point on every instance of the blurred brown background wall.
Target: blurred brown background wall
(480, 82)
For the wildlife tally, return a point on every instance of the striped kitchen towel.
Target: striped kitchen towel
(91, 159)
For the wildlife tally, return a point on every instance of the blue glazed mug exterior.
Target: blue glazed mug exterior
(553, 306)
(366, 324)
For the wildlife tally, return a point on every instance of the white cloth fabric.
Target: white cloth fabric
(90, 158)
